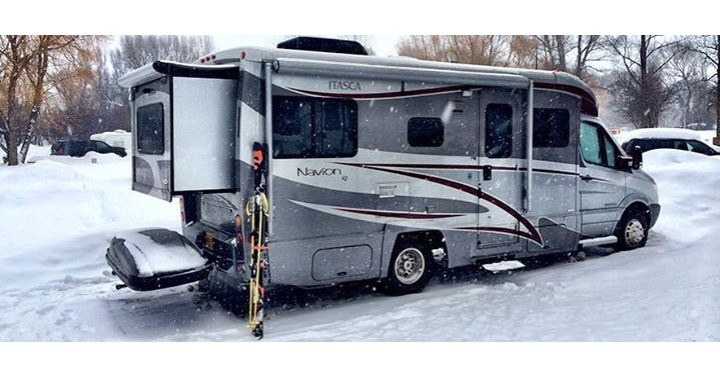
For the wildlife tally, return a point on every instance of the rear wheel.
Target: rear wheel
(632, 230)
(411, 268)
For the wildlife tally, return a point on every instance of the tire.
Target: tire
(411, 268)
(632, 230)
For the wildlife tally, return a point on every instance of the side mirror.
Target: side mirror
(637, 157)
(626, 163)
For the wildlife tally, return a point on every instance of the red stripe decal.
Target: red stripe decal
(534, 235)
(400, 215)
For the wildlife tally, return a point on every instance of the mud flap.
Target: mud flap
(150, 259)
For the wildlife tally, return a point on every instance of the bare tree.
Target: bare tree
(473, 49)
(27, 63)
(709, 47)
(587, 47)
(688, 69)
(15, 55)
(641, 92)
(135, 51)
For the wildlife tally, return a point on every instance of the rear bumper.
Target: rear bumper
(654, 214)
(151, 283)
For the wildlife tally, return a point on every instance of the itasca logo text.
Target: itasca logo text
(307, 172)
(344, 85)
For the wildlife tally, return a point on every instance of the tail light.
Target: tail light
(182, 210)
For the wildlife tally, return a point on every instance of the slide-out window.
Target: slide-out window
(498, 130)
(306, 127)
(151, 129)
(551, 128)
(426, 132)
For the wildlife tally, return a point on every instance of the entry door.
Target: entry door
(499, 178)
(601, 180)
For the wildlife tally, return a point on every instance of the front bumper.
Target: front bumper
(654, 214)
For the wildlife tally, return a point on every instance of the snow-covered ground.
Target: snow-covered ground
(57, 214)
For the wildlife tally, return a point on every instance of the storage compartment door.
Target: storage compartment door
(341, 262)
(151, 117)
(203, 144)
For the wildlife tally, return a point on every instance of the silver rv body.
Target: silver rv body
(482, 163)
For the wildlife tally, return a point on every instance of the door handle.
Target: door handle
(487, 172)
(586, 178)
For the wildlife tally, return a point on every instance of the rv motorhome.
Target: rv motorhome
(376, 168)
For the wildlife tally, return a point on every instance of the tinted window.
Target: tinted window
(314, 127)
(551, 128)
(426, 132)
(150, 129)
(100, 146)
(498, 130)
(696, 146)
(590, 144)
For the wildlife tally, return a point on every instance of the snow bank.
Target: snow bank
(33, 151)
(60, 198)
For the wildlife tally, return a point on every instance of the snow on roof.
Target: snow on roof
(659, 133)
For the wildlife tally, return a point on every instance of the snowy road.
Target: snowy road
(55, 218)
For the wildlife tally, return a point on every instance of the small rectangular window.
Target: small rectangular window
(551, 128)
(498, 130)
(151, 129)
(314, 127)
(426, 132)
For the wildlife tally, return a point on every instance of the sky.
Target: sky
(382, 45)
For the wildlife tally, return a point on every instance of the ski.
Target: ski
(257, 210)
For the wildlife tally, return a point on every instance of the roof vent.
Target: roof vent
(338, 46)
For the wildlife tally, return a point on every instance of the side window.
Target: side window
(151, 129)
(99, 145)
(314, 127)
(551, 128)
(679, 144)
(611, 152)
(696, 146)
(597, 146)
(426, 132)
(498, 130)
(590, 144)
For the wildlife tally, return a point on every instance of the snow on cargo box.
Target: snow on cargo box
(150, 259)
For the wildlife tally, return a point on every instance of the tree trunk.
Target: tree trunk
(717, 92)
(12, 148)
(38, 85)
(560, 41)
(29, 133)
(578, 63)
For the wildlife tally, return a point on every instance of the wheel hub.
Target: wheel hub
(409, 266)
(634, 232)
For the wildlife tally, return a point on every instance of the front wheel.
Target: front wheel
(632, 230)
(411, 268)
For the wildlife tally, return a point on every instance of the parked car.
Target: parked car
(79, 148)
(665, 138)
(681, 144)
